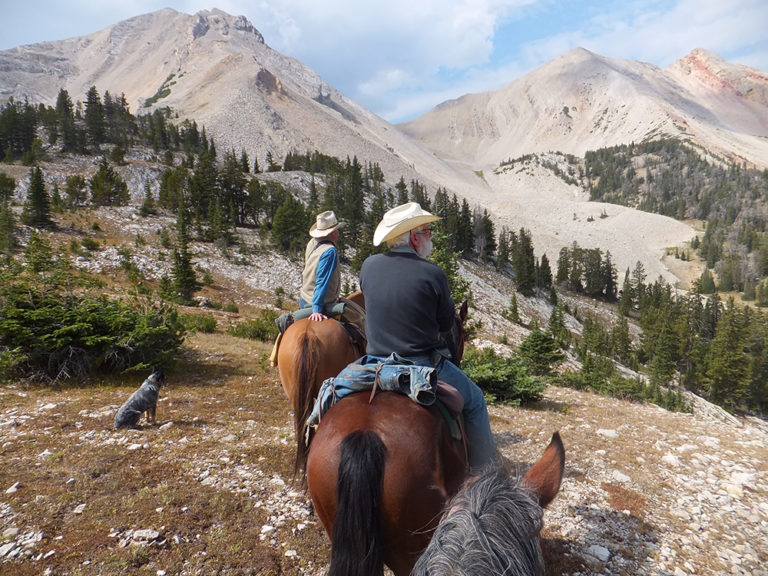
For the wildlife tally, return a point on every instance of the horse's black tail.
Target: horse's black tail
(356, 548)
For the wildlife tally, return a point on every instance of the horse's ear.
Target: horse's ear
(545, 476)
(463, 311)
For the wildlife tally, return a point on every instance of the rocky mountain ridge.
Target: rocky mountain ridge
(582, 101)
(218, 70)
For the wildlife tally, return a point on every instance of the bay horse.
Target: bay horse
(309, 353)
(492, 526)
(379, 471)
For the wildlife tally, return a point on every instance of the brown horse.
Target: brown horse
(309, 353)
(379, 471)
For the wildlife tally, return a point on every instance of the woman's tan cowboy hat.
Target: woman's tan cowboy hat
(400, 220)
(325, 223)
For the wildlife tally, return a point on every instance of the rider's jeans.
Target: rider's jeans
(482, 448)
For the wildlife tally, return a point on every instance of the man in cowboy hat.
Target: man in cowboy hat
(321, 278)
(407, 302)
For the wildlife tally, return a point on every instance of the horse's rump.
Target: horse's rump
(424, 466)
(309, 353)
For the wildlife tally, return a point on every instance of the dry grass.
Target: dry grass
(624, 499)
(228, 413)
(225, 407)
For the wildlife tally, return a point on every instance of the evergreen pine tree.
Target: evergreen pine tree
(95, 123)
(540, 351)
(38, 254)
(503, 249)
(524, 263)
(65, 117)
(148, 205)
(625, 300)
(465, 242)
(661, 367)
(57, 202)
(290, 225)
(183, 280)
(609, 278)
(563, 266)
(402, 192)
(7, 220)
(75, 187)
(232, 185)
(544, 274)
(557, 328)
(7, 188)
(449, 261)
(706, 283)
(107, 187)
(513, 313)
(621, 342)
(37, 208)
(728, 374)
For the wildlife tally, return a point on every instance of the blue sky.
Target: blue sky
(400, 58)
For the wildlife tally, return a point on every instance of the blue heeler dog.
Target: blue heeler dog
(143, 400)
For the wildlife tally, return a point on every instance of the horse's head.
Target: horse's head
(455, 338)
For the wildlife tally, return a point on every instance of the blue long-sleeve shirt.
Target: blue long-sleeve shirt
(325, 268)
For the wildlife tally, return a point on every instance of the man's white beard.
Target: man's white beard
(424, 248)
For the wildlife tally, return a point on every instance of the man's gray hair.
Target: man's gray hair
(401, 241)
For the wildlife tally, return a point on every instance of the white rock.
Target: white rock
(13, 488)
(146, 534)
(165, 426)
(607, 433)
(620, 477)
(135, 447)
(6, 548)
(671, 459)
(734, 491)
(80, 509)
(599, 552)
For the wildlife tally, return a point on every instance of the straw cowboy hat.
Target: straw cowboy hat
(325, 223)
(400, 220)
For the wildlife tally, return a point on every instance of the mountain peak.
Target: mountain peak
(701, 70)
(223, 24)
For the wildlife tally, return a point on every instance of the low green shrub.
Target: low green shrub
(51, 332)
(508, 380)
(262, 327)
(598, 374)
(205, 323)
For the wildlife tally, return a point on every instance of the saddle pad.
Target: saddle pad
(450, 397)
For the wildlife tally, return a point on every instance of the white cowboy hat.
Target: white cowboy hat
(400, 220)
(325, 223)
